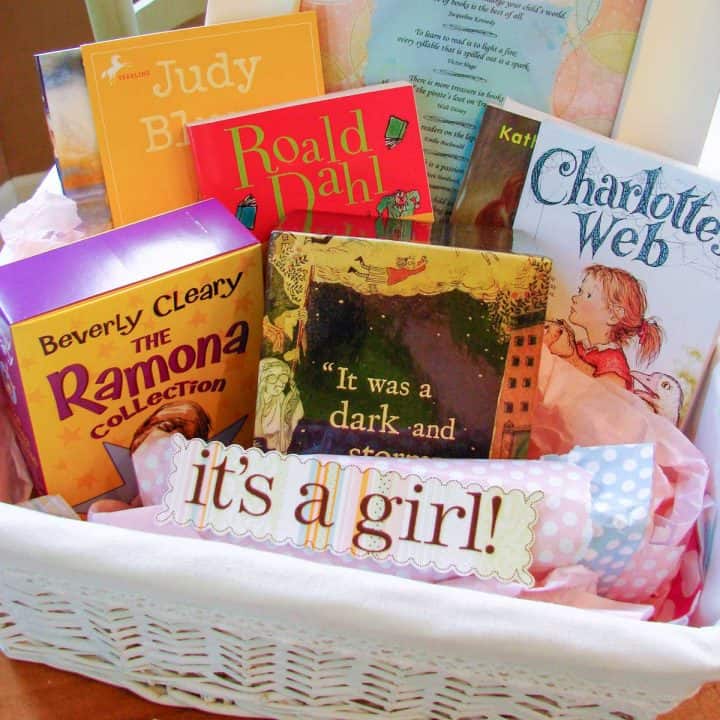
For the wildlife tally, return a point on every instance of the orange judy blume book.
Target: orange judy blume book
(144, 89)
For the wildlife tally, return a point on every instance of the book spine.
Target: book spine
(48, 119)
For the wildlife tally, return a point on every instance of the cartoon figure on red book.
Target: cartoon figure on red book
(400, 204)
(610, 308)
(246, 211)
(391, 275)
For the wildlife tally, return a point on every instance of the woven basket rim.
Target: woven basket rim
(367, 606)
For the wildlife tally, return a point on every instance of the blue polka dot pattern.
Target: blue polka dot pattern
(621, 492)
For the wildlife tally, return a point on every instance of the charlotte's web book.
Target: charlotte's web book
(379, 347)
(144, 89)
(636, 260)
(568, 58)
(356, 152)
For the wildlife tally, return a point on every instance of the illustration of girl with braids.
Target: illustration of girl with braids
(610, 307)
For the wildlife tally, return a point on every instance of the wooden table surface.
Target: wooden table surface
(29, 691)
(35, 692)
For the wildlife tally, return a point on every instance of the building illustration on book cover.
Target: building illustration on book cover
(381, 347)
(144, 89)
(636, 262)
(357, 152)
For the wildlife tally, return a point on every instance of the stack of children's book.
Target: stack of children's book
(336, 134)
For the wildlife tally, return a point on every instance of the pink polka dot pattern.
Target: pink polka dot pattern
(648, 570)
(153, 464)
(563, 530)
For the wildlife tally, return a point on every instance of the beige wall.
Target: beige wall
(27, 27)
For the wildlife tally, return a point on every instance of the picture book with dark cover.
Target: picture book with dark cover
(393, 348)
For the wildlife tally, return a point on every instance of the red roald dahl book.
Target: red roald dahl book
(357, 152)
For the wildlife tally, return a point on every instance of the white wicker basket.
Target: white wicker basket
(244, 632)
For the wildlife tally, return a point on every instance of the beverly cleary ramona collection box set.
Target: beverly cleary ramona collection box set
(156, 322)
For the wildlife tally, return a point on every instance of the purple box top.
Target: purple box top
(118, 258)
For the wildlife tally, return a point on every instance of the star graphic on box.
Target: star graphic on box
(121, 456)
(70, 436)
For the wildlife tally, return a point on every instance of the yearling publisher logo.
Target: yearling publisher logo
(116, 65)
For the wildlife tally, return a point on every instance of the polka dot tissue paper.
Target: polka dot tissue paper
(594, 527)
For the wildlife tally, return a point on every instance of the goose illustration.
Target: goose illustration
(662, 392)
(116, 65)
